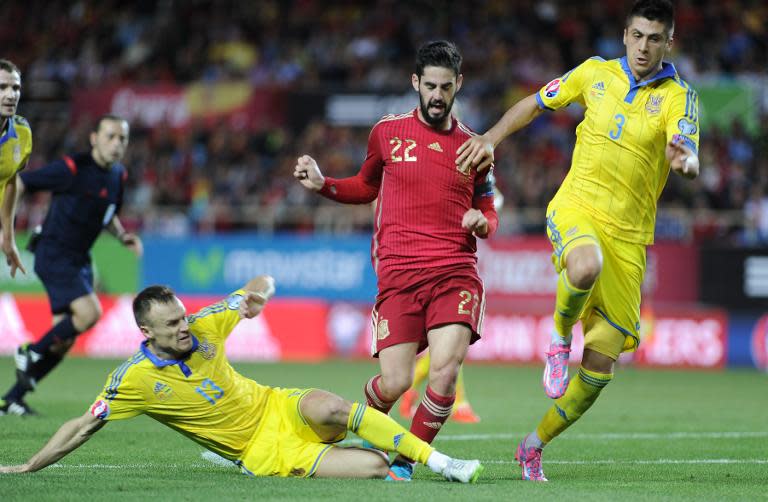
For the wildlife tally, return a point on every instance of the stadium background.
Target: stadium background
(223, 96)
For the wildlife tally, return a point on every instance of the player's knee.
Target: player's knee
(377, 466)
(337, 412)
(442, 378)
(584, 268)
(393, 386)
(85, 318)
(63, 346)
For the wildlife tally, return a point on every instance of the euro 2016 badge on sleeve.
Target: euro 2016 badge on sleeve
(552, 88)
(100, 409)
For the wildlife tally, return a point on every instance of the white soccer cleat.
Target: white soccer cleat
(463, 471)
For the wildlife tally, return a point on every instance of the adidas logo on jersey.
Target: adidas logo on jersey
(599, 86)
(436, 147)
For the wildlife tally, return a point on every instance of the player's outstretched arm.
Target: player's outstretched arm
(258, 292)
(68, 438)
(478, 151)
(308, 173)
(7, 214)
(682, 159)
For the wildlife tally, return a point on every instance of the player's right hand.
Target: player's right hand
(12, 258)
(308, 174)
(476, 152)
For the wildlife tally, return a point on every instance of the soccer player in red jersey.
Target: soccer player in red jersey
(428, 215)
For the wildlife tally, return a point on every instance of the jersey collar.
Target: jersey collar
(9, 133)
(667, 71)
(161, 363)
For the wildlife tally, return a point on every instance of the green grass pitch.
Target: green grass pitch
(653, 435)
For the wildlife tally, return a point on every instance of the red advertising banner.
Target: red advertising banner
(239, 103)
(521, 269)
(277, 334)
(313, 330)
(520, 333)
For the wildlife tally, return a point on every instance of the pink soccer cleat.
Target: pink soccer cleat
(530, 460)
(555, 378)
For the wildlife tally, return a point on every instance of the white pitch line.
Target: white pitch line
(661, 461)
(601, 436)
(131, 466)
(613, 436)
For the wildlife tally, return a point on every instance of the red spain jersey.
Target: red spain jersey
(422, 194)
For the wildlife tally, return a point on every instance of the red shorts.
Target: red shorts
(412, 302)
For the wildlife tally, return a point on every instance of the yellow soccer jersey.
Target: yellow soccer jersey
(202, 396)
(15, 148)
(619, 167)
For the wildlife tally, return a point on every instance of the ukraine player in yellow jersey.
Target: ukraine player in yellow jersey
(181, 377)
(15, 148)
(641, 120)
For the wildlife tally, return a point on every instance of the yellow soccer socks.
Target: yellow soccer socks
(581, 394)
(569, 303)
(384, 433)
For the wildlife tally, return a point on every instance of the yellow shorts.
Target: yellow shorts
(284, 445)
(611, 316)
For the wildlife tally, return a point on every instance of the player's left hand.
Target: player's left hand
(475, 221)
(252, 304)
(12, 258)
(476, 152)
(133, 242)
(682, 159)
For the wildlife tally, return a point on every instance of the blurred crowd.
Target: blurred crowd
(203, 179)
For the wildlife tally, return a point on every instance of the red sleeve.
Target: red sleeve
(483, 200)
(364, 186)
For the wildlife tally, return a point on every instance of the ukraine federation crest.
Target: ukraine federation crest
(17, 153)
(162, 391)
(653, 105)
(206, 349)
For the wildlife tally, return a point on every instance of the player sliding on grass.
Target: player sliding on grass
(641, 120)
(181, 377)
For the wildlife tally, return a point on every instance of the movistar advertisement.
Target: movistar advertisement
(303, 267)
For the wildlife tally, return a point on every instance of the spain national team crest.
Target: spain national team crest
(552, 88)
(464, 171)
(206, 349)
(162, 391)
(382, 329)
(653, 105)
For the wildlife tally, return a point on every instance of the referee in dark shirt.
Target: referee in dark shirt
(87, 191)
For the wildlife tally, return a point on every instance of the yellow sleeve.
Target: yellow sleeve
(218, 320)
(564, 90)
(122, 397)
(683, 118)
(25, 133)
